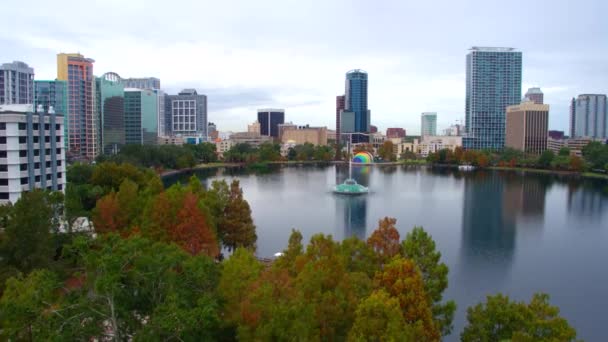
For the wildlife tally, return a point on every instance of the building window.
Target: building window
(36, 140)
(58, 139)
(47, 139)
(37, 166)
(48, 176)
(23, 167)
(36, 153)
(59, 163)
(3, 181)
(37, 179)
(47, 126)
(3, 168)
(24, 180)
(58, 151)
(36, 126)
(2, 140)
(59, 174)
(48, 164)
(22, 140)
(2, 154)
(60, 187)
(4, 195)
(47, 151)
(21, 126)
(23, 153)
(2, 125)
(57, 127)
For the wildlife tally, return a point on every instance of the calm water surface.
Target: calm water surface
(497, 231)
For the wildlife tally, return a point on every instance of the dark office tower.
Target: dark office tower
(110, 102)
(269, 120)
(572, 117)
(535, 95)
(16, 83)
(493, 82)
(356, 102)
(340, 99)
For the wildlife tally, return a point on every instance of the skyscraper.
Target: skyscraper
(110, 102)
(269, 120)
(141, 123)
(340, 105)
(356, 101)
(53, 94)
(493, 77)
(572, 117)
(186, 114)
(82, 121)
(535, 95)
(16, 83)
(589, 116)
(527, 126)
(428, 124)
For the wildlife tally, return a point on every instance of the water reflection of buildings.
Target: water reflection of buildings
(524, 196)
(587, 200)
(351, 211)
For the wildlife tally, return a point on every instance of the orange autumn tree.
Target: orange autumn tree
(105, 214)
(385, 239)
(118, 211)
(402, 280)
(192, 232)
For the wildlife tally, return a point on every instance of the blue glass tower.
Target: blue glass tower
(53, 94)
(493, 83)
(356, 101)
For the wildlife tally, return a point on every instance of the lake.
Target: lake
(498, 231)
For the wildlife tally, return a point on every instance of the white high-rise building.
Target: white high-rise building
(32, 151)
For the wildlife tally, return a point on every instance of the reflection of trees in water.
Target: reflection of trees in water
(387, 169)
(353, 210)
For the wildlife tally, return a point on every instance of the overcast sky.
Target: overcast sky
(294, 54)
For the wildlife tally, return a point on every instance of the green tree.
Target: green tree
(385, 151)
(500, 318)
(379, 318)
(236, 226)
(27, 304)
(269, 152)
(546, 158)
(419, 246)
(596, 154)
(28, 243)
(564, 152)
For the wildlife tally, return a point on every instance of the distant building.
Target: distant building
(223, 146)
(428, 124)
(140, 116)
(269, 120)
(53, 94)
(356, 102)
(454, 130)
(186, 114)
(535, 95)
(249, 138)
(395, 132)
(574, 144)
(373, 129)
(589, 116)
(32, 151)
(170, 140)
(110, 101)
(212, 131)
(83, 121)
(142, 83)
(557, 135)
(493, 82)
(572, 117)
(428, 144)
(254, 128)
(285, 126)
(16, 83)
(347, 122)
(305, 134)
(340, 107)
(527, 126)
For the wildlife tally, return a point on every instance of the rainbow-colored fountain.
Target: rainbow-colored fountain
(350, 185)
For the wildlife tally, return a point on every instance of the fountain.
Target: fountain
(350, 185)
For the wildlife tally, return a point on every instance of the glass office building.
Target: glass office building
(53, 94)
(141, 123)
(269, 120)
(428, 124)
(493, 82)
(110, 102)
(356, 102)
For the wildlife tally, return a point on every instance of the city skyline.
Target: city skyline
(302, 70)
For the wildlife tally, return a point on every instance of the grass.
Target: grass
(595, 175)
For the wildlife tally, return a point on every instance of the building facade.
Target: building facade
(53, 94)
(355, 101)
(556, 135)
(254, 128)
(140, 116)
(16, 83)
(142, 83)
(527, 127)
(32, 152)
(249, 138)
(304, 134)
(340, 106)
(83, 123)
(590, 116)
(110, 102)
(493, 82)
(535, 95)
(574, 144)
(269, 120)
(395, 132)
(428, 125)
(186, 114)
